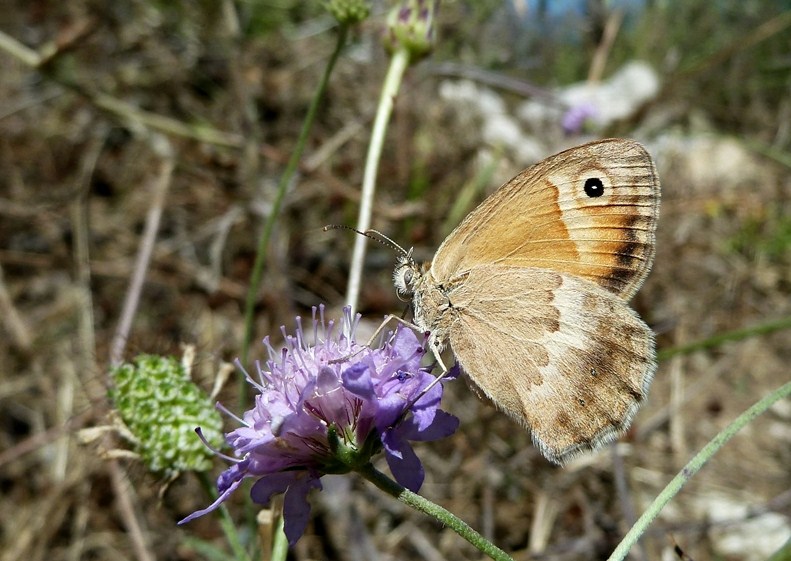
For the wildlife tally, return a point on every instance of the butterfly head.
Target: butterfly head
(406, 275)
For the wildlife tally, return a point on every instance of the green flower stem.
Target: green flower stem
(726, 337)
(280, 543)
(782, 554)
(226, 522)
(285, 180)
(427, 507)
(395, 74)
(692, 468)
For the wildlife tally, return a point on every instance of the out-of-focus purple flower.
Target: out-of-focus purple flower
(576, 117)
(410, 26)
(327, 407)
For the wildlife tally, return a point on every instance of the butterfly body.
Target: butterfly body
(531, 291)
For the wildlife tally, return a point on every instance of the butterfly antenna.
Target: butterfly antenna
(375, 235)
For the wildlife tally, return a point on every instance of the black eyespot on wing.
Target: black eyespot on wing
(594, 187)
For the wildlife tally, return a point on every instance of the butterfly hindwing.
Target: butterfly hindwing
(562, 355)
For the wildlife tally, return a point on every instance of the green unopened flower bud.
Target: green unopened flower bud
(161, 406)
(348, 11)
(410, 26)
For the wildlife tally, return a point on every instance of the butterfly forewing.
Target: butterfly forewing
(590, 211)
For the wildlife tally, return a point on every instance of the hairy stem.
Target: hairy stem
(434, 510)
(693, 467)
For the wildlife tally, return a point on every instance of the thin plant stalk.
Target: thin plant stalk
(693, 467)
(726, 337)
(395, 74)
(145, 251)
(285, 181)
(425, 506)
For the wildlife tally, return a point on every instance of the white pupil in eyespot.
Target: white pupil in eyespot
(594, 187)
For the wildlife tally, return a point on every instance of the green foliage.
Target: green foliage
(258, 18)
(766, 237)
(782, 554)
(262, 17)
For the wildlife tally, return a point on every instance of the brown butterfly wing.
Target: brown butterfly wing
(590, 211)
(563, 356)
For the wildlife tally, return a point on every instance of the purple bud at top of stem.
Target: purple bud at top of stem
(410, 26)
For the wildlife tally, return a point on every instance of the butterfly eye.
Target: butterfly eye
(402, 278)
(594, 187)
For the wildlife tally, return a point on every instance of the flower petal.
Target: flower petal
(424, 410)
(453, 372)
(296, 508)
(326, 380)
(214, 505)
(232, 475)
(357, 379)
(433, 396)
(444, 424)
(403, 462)
(272, 484)
(405, 342)
(390, 409)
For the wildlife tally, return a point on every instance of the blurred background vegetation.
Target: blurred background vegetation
(111, 109)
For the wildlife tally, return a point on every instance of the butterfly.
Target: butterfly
(531, 289)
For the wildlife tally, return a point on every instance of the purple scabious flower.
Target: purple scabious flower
(327, 407)
(577, 116)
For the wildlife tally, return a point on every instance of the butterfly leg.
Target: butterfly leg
(377, 333)
(425, 390)
(388, 319)
(410, 325)
(435, 351)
